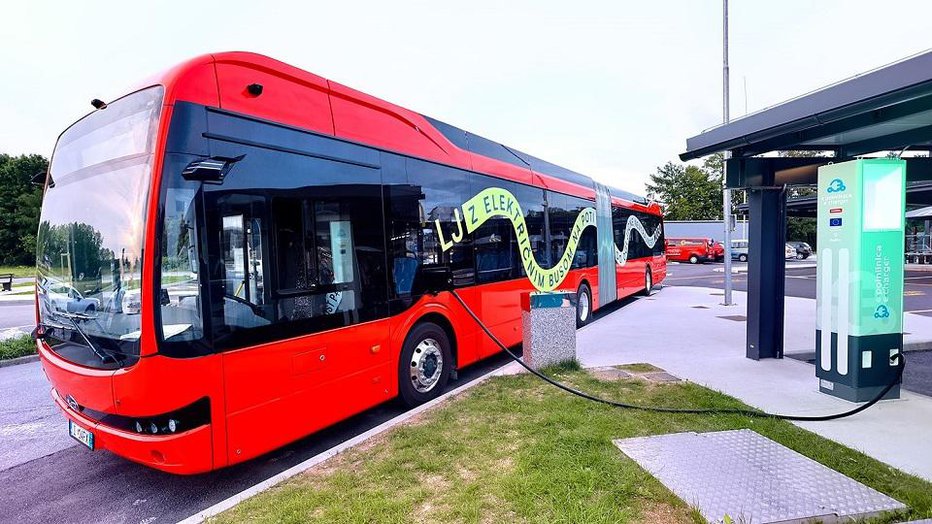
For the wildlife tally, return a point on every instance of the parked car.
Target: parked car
(739, 250)
(692, 250)
(789, 251)
(803, 250)
(68, 299)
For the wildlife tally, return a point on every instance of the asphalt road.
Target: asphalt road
(19, 314)
(47, 477)
(800, 281)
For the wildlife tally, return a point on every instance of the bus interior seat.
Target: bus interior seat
(403, 272)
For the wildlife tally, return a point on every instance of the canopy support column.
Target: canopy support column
(766, 272)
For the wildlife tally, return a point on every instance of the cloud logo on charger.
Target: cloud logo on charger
(836, 186)
(882, 312)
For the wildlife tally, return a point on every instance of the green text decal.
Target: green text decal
(494, 201)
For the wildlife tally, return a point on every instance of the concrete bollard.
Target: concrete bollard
(549, 323)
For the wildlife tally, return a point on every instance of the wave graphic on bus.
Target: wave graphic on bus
(497, 202)
(635, 224)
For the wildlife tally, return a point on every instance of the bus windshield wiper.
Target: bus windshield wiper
(105, 356)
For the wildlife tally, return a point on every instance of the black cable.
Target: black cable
(720, 411)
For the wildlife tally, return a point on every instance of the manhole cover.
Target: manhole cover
(661, 376)
(752, 479)
(736, 318)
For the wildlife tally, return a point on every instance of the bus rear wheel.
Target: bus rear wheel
(425, 364)
(648, 283)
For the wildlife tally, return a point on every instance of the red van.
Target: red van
(692, 250)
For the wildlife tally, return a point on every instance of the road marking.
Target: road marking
(913, 293)
(224, 505)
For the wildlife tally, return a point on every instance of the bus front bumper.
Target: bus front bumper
(184, 453)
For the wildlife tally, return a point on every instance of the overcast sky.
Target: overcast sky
(611, 89)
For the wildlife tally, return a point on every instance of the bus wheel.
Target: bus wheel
(425, 364)
(693, 259)
(648, 283)
(583, 305)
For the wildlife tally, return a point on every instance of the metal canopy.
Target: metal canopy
(885, 109)
(917, 194)
(888, 108)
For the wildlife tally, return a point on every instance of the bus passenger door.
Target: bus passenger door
(298, 295)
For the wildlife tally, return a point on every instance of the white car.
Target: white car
(789, 251)
(68, 299)
(739, 250)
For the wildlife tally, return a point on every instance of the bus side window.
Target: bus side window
(242, 272)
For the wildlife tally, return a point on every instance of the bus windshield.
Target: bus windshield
(91, 231)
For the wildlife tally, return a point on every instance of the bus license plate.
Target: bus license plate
(80, 434)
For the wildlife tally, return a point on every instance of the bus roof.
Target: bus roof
(298, 98)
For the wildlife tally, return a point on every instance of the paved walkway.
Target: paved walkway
(681, 329)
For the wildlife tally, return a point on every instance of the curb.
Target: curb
(19, 360)
(923, 345)
(228, 503)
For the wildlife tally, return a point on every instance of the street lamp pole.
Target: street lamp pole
(726, 193)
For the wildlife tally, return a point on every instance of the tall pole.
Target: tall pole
(726, 193)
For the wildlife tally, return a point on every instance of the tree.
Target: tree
(19, 207)
(801, 228)
(689, 192)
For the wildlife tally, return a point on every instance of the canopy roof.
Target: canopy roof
(889, 108)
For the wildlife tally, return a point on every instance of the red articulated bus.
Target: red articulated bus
(240, 253)
(692, 250)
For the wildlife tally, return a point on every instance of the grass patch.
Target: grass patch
(17, 347)
(517, 450)
(174, 279)
(640, 367)
(19, 271)
(562, 367)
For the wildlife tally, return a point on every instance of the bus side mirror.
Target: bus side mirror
(210, 170)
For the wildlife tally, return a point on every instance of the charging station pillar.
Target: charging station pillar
(859, 297)
(549, 325)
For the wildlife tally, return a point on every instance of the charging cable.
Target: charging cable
(708, 411)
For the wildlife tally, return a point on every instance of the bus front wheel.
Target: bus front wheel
(425, 364)
(583, 305)
(693, 259)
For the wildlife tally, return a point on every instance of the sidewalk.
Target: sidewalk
(16, 294)
(681, 330)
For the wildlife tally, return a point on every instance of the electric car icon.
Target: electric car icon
(836, 186)
(882, 312)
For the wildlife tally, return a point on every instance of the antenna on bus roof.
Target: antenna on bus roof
(98, 104)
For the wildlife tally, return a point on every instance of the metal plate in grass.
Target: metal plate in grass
(752, 479)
